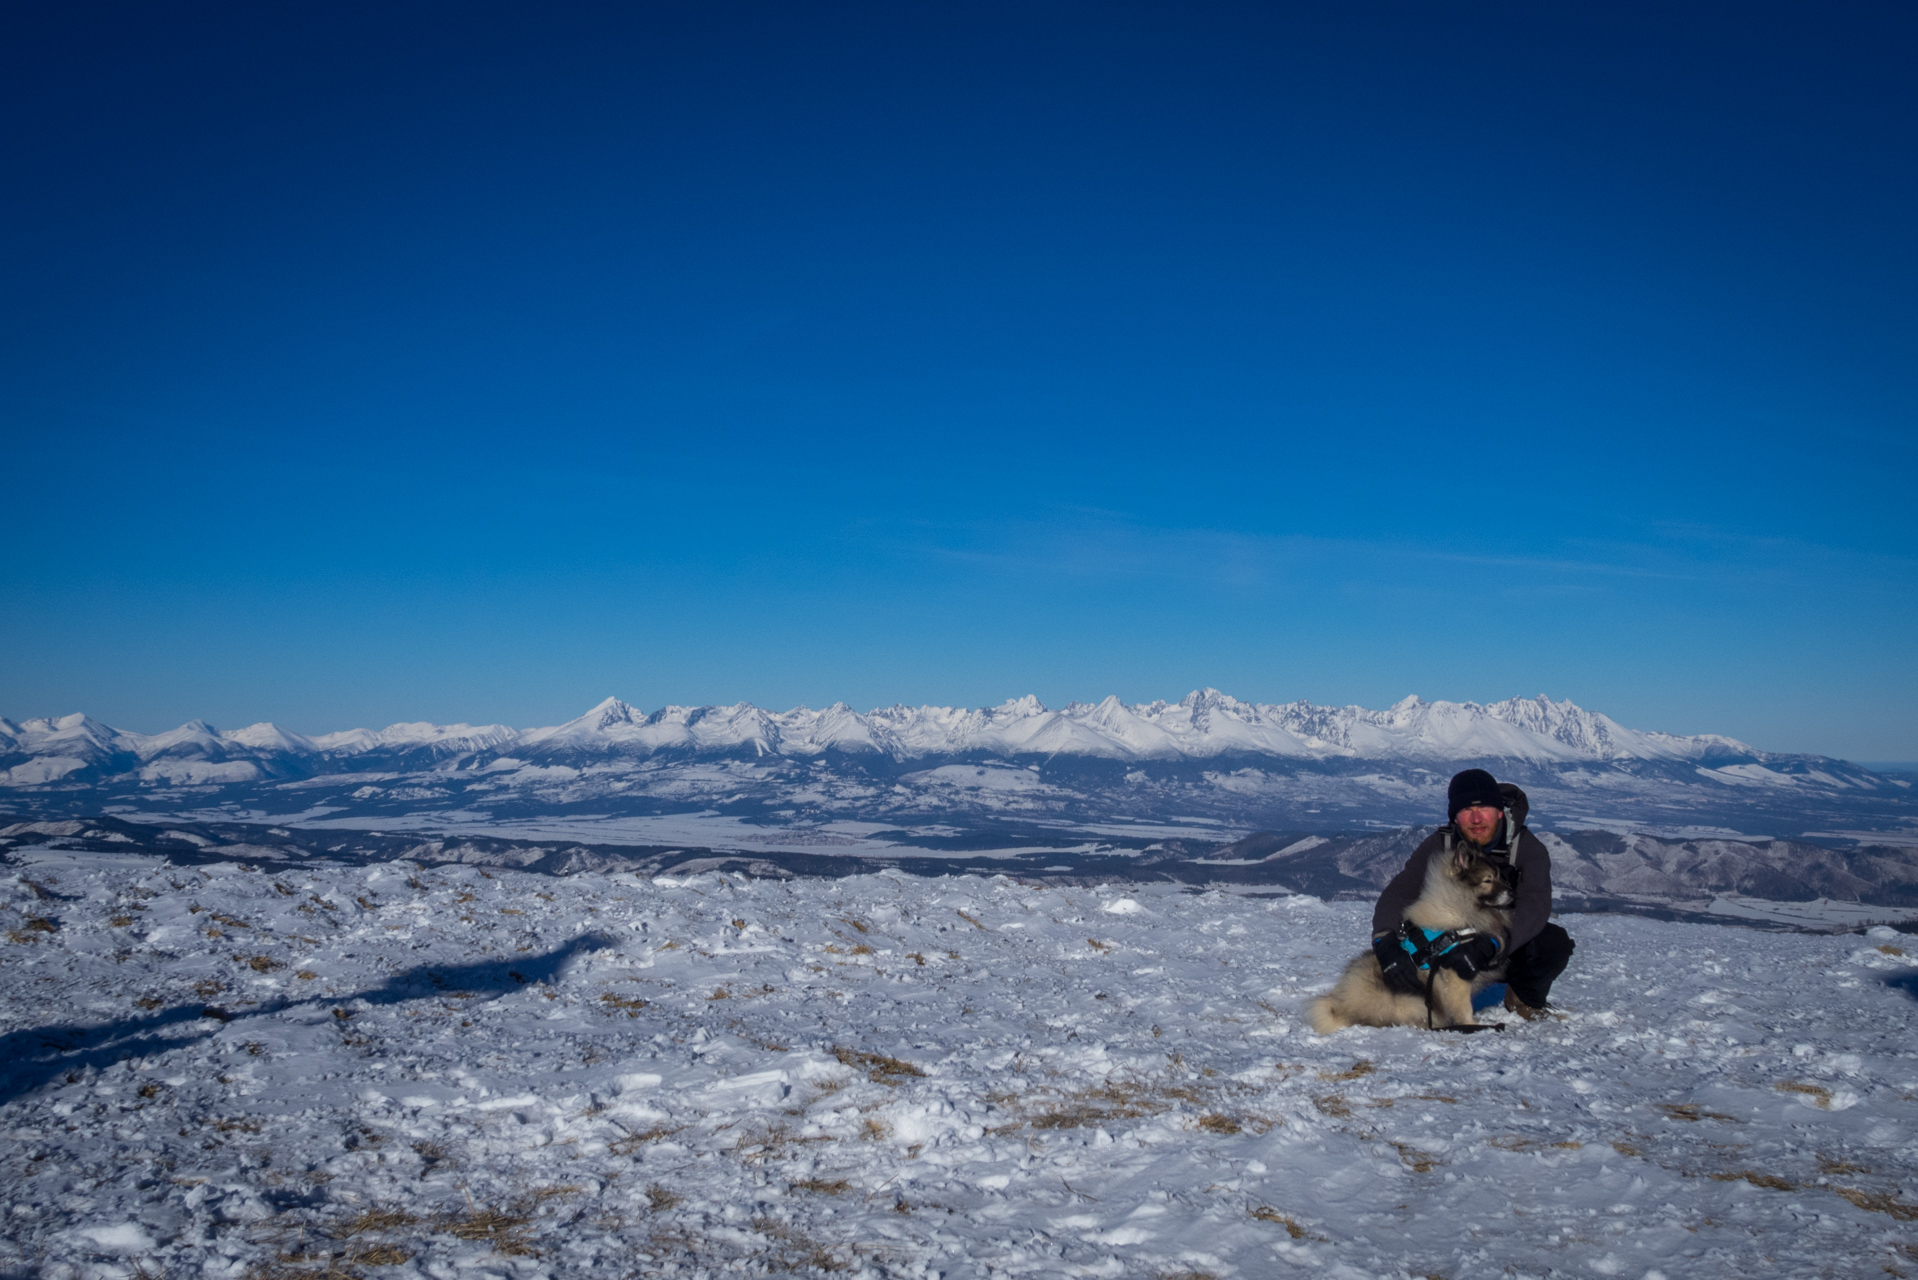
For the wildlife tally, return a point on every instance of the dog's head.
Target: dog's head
(1482, 878)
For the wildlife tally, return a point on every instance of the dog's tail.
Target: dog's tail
(1325, 1020)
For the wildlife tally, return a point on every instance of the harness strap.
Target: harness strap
(1426, 945)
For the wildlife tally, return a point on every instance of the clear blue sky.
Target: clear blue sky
(363, 362)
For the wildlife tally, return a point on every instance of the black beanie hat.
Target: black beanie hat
(1470, 787)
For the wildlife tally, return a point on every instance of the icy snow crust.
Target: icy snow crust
(441, 1071)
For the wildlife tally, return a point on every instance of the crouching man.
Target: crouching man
(1489, 816)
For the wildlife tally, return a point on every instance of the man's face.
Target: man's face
(1480, 822)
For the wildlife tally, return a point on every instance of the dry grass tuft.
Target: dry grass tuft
(632, 1004)
(662, 1199)
(1334, 1105)
(1363, 1067)
(823, 1186)
(1414, 1159)
(382, 1255)
(1218, 1124)
(504, 1231)
(374, 1221)
(1114, 1100)
(1827, 1164)
(1266, 1213)
(262, 964)
(884, 1070)
(1756, 1179)
(632, 1142)
(1879, 1202)
(1818, 1093)
(798, 1251)
(1691, 1113)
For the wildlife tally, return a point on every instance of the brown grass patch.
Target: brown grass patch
(149, 1002)
(1827, 1164)
(375, 1220)
(1414, 1159)
(1266, 1213)
(798, 1251)
(1890, 950)
(971, 921)
(1756, 1179)
(662, 1199)
(120, 922)
(630, 1003)
(1691, 1113)
(1362, 1067)
(504, 1231)
(263, 964)
(1114, 1100)
(382, 1255)
(1334, 1105)
(1215, 1123)
(823, 1186)
(632, 1142)
(1879, 1202)
(1818, 1093)
(884, 1070)
(1100, 947)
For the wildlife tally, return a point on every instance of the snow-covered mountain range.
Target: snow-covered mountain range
(1204, 725)
(1018, 775)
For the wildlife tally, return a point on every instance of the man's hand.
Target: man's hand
(1400, 971)
(1470, 957)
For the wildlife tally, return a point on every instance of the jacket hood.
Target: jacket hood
(1516, 801)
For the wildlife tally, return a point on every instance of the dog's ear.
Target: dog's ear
(1461, 859)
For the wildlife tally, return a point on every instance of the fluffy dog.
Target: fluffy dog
(1462, 891)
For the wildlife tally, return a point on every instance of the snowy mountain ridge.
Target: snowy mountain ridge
(1203, 724)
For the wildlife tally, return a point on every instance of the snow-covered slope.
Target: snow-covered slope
(436, 1071)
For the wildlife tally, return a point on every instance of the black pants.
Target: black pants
(1530, 971)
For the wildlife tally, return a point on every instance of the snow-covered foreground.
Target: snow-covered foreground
(395, 1071)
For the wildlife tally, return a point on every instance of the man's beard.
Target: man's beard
(1491, 841)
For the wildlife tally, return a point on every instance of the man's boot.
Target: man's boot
(1515, 1005)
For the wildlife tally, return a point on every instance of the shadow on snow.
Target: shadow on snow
(35, 1056)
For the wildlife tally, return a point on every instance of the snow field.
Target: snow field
(446, 1071)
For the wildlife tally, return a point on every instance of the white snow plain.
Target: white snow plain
(440, 1072)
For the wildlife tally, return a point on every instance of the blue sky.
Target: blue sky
(374, 362)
